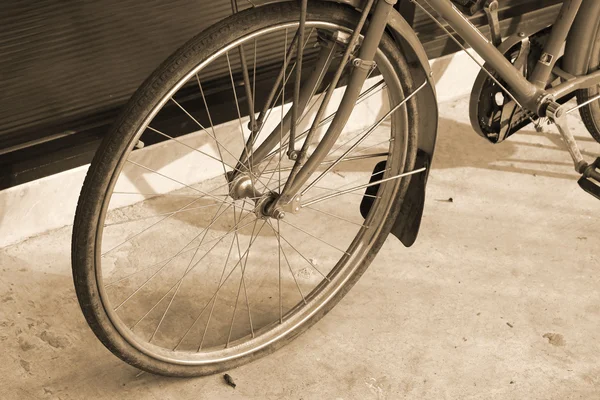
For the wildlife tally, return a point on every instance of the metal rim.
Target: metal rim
(317, 302)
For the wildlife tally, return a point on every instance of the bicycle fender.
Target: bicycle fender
(408, 219)
(580, 42)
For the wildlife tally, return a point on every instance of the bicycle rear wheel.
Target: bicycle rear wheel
(177, 276)
(590, 114)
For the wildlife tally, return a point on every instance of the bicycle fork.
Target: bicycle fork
(274, 205)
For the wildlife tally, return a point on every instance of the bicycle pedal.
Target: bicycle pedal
(590, 181)
(590, 186)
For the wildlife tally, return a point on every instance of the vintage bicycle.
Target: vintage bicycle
(203, 245)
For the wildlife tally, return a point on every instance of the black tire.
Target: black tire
(590, 114)
(119, 139)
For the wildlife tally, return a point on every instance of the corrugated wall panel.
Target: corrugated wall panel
(66, 67)
(62, 60)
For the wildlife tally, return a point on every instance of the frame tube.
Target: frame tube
(555, 42)
(526, 92)
(581, 82)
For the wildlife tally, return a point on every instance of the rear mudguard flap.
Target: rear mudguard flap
(408, 219)
(581, 39)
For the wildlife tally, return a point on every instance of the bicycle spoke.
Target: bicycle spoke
(174, 180)
(325, 162)
(183, 252)
(329, 196)
(262, 118)
(335, 216)
(363, 137)
(345, 185)
(248, 145)
(202, 127)
(171, 258)
(352, 193)
(148, 228)
(281, 77)
(230, 231)
(242, 283)
(340, 188)
(304, 257)
(254, 75)
(246, 78)
(216, 294)
(167, 194)
(287, 261)
(204, 308)
(212, 125)
(181, 281)
(380, 85)
(281, 137)
(297, 81)
(206, 305)
(253, 175)
(271, 156)
(161, 268)
(237, 104)
(353, 158)
(160, 215)
(196, 150)
(313, 236)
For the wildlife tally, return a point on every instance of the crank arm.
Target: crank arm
(558, 115)
(590, 175)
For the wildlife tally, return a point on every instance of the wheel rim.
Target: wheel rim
(121, 297)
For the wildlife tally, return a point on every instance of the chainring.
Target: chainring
(488, 99)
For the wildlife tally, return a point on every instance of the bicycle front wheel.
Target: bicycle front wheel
(178, 275)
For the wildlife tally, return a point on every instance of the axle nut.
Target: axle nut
(278, 214)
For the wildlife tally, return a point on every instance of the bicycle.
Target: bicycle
(191, 270)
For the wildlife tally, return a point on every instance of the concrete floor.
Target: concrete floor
(498, 299)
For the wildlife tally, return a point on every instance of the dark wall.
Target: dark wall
(67, 66)
(64, 61)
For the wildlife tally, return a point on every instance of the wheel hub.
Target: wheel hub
(264, 207)
(242, 187)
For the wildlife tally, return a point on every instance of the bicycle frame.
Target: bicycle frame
(530, 94)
